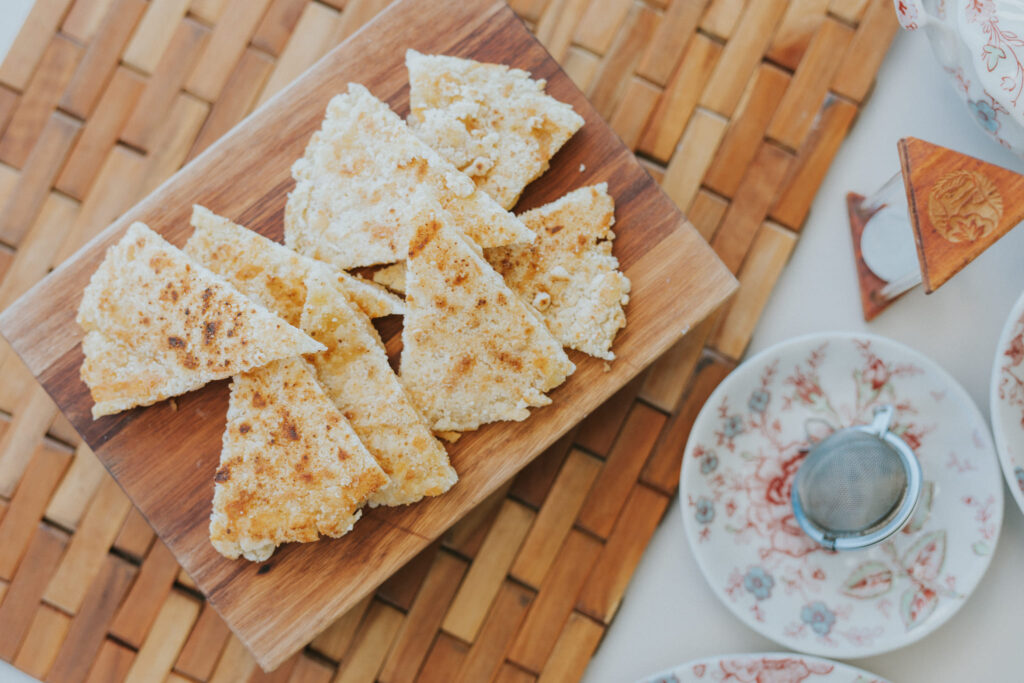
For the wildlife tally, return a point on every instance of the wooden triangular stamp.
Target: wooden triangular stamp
(959, 206)
(948, 209)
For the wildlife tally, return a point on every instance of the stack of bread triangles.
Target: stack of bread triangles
(319, 424)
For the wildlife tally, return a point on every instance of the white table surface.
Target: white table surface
(669, 615)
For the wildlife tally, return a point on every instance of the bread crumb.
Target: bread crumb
(607, 366)
(559, 273)
(450, 437)
(583, 167)
(173, 404)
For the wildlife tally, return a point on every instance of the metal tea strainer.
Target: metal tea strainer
(858, 486)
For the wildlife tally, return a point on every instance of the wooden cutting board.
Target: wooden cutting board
(165, 457)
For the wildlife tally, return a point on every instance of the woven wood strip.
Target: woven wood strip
(736, 107)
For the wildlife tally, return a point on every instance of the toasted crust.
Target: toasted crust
(569, 273)
(355, 373)
(364, 182)
(273, 274)
(291, 467)
(158, 325)
(491, 122)
(473, 352)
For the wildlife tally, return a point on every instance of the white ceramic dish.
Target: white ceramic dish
(770, 667)
(979, 43)
(1006, 400)
(738, 468)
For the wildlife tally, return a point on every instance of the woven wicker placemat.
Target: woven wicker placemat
(736, 106)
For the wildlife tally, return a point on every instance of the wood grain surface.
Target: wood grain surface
(646, 65)
(164, 456)
(959, 206)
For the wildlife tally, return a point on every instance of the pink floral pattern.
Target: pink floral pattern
(765, 668)
(738, 471)
(982, 48)
(1000, 49)
(906, 13)
(1011, 373)
(1007, 401)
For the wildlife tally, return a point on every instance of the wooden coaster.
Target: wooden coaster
(959, 206)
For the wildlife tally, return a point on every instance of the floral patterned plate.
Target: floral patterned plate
(1006, 400)
(773, 667)
(744, 450)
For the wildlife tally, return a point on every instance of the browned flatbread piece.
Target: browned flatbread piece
(159, 324)
(569, 273)
(364, 182)
(473, 352)
(291, 467)
(355, 373)
(492, 122)
(273, 274)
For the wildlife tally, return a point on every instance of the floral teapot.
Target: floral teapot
(980, 43)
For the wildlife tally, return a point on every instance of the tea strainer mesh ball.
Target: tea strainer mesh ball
(857, 486)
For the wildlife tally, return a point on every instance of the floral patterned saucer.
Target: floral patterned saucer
(738, 469)
(773, 667)
(1006, 400)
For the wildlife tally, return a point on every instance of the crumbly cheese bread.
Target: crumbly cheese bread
(159, 324)
(569, 273)
(364, 182)
(291, 467)
(354, 372)
(392, 277)
(273, 274)
(450, 437)
(473, 352)
(494, 123)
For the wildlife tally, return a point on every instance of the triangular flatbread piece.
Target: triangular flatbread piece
(291, 468)
(273, 274)
(159, 324)
(494, 123)
(473, 352)
(569, 273)
(959, 206)
(364, 182)
(355, 373)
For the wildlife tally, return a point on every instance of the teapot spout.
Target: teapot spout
(932, 16)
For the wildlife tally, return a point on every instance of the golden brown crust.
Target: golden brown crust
(493, 123)
(291, 467)
(355, 373)
(158, 325)
(473, 352)
(364, 182)
(569, 273)
(273, 274)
